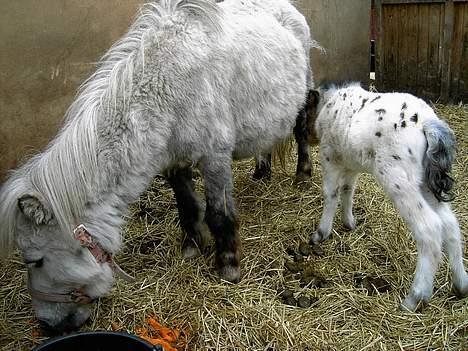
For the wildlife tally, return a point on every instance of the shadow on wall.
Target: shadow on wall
(52, 47)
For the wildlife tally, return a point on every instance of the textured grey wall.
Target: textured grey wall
(48, 47)
(342, 27)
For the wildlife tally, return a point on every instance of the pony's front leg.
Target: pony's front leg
(190, 212)
(304, 166)
(332, 175)
(262, 167)
(221, 214)
(347, 194)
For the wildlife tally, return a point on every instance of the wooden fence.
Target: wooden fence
(422, 48)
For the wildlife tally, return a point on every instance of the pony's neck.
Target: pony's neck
(104, 222)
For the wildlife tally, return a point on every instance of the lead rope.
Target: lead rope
(82, 234)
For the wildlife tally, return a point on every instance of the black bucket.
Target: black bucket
(97, 341)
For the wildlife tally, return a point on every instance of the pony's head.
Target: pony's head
(64, 276)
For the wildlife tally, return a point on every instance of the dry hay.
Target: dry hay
(250, 316)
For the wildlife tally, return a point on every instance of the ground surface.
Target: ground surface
(347, 313)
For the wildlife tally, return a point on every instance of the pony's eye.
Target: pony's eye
(36, 263)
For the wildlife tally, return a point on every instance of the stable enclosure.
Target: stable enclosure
(422, 48)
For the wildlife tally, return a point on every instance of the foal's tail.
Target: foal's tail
(439, 158)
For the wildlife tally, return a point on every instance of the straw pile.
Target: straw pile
(347, 313)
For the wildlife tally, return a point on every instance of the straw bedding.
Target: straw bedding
(355, 283)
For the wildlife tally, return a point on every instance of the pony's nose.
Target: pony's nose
(66, 326)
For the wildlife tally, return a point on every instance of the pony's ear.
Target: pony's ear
(35, 209)
(313, 98)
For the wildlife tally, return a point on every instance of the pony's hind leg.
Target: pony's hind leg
(262, 167)
(347, 193)
(453, 243)
(221, 214)
(190, 212)
(304, 166)
(426, 226)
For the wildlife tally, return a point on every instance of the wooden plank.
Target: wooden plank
(402, 48)
(386, 2)
(423, 47)
(390, 72)
(463, 82)
(432, 89)
(379, 46)
(446, 49)
(412, 37)
(457, 51)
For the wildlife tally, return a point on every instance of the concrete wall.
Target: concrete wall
(342, 27)
(48, 47)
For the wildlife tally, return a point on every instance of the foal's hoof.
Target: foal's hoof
(461, 292)
(316, 238)
(349, 225)
(413, 303)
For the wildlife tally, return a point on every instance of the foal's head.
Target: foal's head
(64, 276)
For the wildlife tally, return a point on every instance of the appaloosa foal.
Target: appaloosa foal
(399, 139)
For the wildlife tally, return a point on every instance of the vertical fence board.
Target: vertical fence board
(457, 49)
(463, 82)
(422, 47)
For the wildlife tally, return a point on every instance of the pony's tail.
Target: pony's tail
(439, 158)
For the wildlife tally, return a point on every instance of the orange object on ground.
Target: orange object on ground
(115, 326)
(158, 334)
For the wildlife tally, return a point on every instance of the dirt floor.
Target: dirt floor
(348, 290)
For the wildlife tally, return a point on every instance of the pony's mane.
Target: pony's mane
(63, 174)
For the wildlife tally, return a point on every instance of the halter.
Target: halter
(101, 256)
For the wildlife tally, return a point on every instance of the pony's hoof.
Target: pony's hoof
(302, 180)
(262, 173)
(230, 273)
(190, 252)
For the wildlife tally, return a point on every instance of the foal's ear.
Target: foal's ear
(35, 209)
(313, 98)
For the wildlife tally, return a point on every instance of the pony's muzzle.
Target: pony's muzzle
(64, 321)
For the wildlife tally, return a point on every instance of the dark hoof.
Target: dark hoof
(262, 174)
(230, 273)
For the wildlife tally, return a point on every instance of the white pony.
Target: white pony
(399, 139)
(192, 83)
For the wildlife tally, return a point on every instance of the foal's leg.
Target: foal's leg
(347, 192)
(332, 176)
(426, 226)
(453, 243)
(190, 212)
(221, 214)
(304, 166)
(262, 167)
